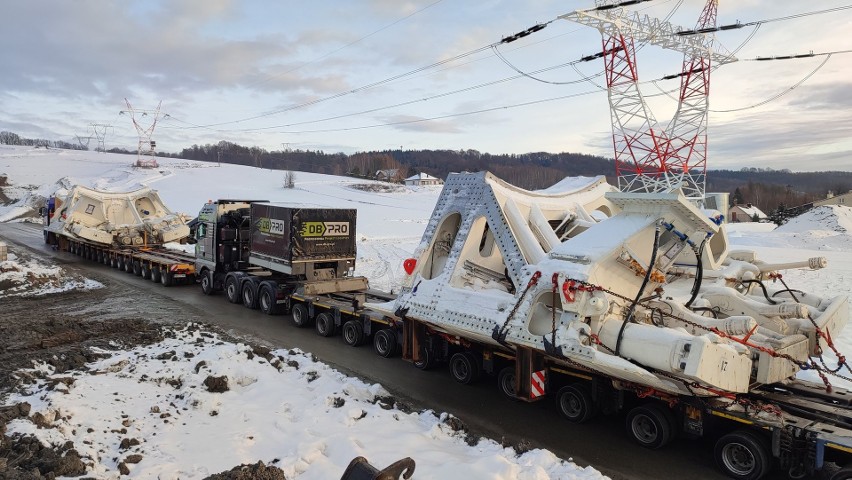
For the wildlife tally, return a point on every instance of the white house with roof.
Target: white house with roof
(832, 199)
(423, 179)
(745, 213)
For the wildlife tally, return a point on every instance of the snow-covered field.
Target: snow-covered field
(287, 409)
(26, 276)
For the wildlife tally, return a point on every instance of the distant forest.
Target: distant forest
(766, 188)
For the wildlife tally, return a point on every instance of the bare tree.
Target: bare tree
(289, 179)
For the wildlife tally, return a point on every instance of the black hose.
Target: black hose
(699, 273)
(763, 287)
(641, 290)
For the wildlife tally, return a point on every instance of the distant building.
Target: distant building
(844, 200)
(745, 213)
(423, 179)
(390, 175)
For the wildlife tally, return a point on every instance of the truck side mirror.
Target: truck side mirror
(41, 211)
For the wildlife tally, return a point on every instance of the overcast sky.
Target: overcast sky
(273, 74)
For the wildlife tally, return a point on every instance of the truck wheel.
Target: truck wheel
(743, 454)
(651, 425)
(145, 272)
(232, 289)
(384, 341)
(465, 368)
(575, 402)
(506, 382)
(266, 300)
(99, 256)
(353, 333)
(156, 275)
(167, 278)
(137, 268)
(207, 282)
(844, 473)
(250, 295)
(325, 324)
(300, 315)
(128, 265)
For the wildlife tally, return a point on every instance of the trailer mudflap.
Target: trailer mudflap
(335, 285)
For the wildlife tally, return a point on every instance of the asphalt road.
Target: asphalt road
(603, 443)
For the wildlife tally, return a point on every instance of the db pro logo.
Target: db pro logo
(325, 229)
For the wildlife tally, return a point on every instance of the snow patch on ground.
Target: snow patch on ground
(281, 407)
(23, 276)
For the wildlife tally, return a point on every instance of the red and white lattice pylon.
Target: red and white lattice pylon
(648, 157)
(146, 156)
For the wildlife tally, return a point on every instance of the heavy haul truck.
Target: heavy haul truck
(603, 302)
(125, 230)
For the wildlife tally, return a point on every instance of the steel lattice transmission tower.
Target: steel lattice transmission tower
(147, 146)
(100, 131)
(648, 157)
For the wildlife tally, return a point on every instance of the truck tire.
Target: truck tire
(651, 425)
(137, 268)
(384, 342)
(353, 333)
(232, 289)
(506, 382)
(844, 473)
(249, 295)
(167, 278)
(324, 324)
(743, 454)
(207, 282)
(300, 315)
(128, 265)
(464, 367)
(575, 402)
(266, 300)
(145, 271)
(156, 274)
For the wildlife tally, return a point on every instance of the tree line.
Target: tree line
(763, 187)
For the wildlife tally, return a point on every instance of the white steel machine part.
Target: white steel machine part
(564, 272)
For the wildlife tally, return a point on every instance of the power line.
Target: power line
(739, 25)
(780, 94)
(508, 39)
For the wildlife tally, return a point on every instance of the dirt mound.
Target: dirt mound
(258, 471)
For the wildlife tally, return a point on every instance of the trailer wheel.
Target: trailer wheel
(325, 324)
(300, 315)
(145, 272)
(167, 278)
(353, 333)
(384, 341)
(128, 265)
(506, 382)
(207, 282)
(651, 425)
(742, 454)
(106, 260)
(99, 256)
(844, 473)
(266, 299)
(156, 275)
(465, 367)
(137, 268)
(249, 293)
(575, 402)
(232, 289)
